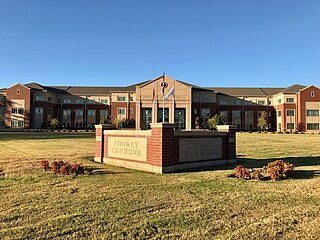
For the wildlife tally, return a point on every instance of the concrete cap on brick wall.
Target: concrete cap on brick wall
(226, 128)
(162, 125)
(104, 126)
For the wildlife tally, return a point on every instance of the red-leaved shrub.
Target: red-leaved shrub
(77, 169)
(279, 169)
(44, 164)
(241, 172)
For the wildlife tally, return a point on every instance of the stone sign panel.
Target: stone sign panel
(128, 148)
(198, 149)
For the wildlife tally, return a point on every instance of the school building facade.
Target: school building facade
(188, 106)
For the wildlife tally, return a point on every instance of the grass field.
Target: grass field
(118, 203)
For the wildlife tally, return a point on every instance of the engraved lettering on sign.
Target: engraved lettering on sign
(198, 149)
(127, 148)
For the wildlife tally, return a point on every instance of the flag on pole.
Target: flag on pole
(171, 93)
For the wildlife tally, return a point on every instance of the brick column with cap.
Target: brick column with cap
(100, 141)
(161, 147)
(231, 140)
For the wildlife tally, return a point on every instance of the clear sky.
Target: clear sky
(121, 42)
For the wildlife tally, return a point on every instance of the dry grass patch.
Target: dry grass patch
(118, 203)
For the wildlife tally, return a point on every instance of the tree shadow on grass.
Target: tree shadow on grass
(259, 163)
(6, 136)
(304, 174)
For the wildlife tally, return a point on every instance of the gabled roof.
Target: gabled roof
(272, 91)
(82, 90)
(293, 88)
(254, 92)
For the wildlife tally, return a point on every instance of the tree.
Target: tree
(54, 123)
(105, 120)
(216, 120)
(301, 127)
(262, 121)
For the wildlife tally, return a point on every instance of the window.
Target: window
(223, 102)
(2, 123)
(104, 101)
(104, 113)
(91, 120)
(17, 124)
(49, 111)
(160, 114)
(146, 118)
(279, 113)
(312, 93)
(261, 102)
(121, 112)
(290, 113)
(236, 102)
(236, 118)
(49, 99)
(205, 99)
(66, 100)
(289, 100)
(312, 126)
(17, 111)
(279, 100)
(313, 113)
(121, 98)
(79, 112)
(18, 91)
(195, 111)
(225, 114)
(66, 117)
(259, 114)
(39, 110)
(205, 113)
(2, 98)
(92, 113)
(59, 100)
(39, 98)
(79, 101)
(91, 101)
(290, 125)
(131, 98)
(179, 118)
(2, 110)
(248, 120)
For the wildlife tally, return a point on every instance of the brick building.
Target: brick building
(33, 105)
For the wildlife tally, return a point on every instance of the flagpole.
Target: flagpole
(164, 79)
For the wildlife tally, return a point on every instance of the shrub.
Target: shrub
(256, 174)
(44, 164)
(241, 172)
(279, 169)
(65, 169)
(77, 169)
(56, 165)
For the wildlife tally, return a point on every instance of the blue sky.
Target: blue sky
(117, 43)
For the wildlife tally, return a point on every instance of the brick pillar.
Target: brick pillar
(100, 141)
(231, 140)
(162, 144)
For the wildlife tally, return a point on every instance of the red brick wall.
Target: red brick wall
(305, 96)
(25, 94)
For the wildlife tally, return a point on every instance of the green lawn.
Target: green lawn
(118, 203)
